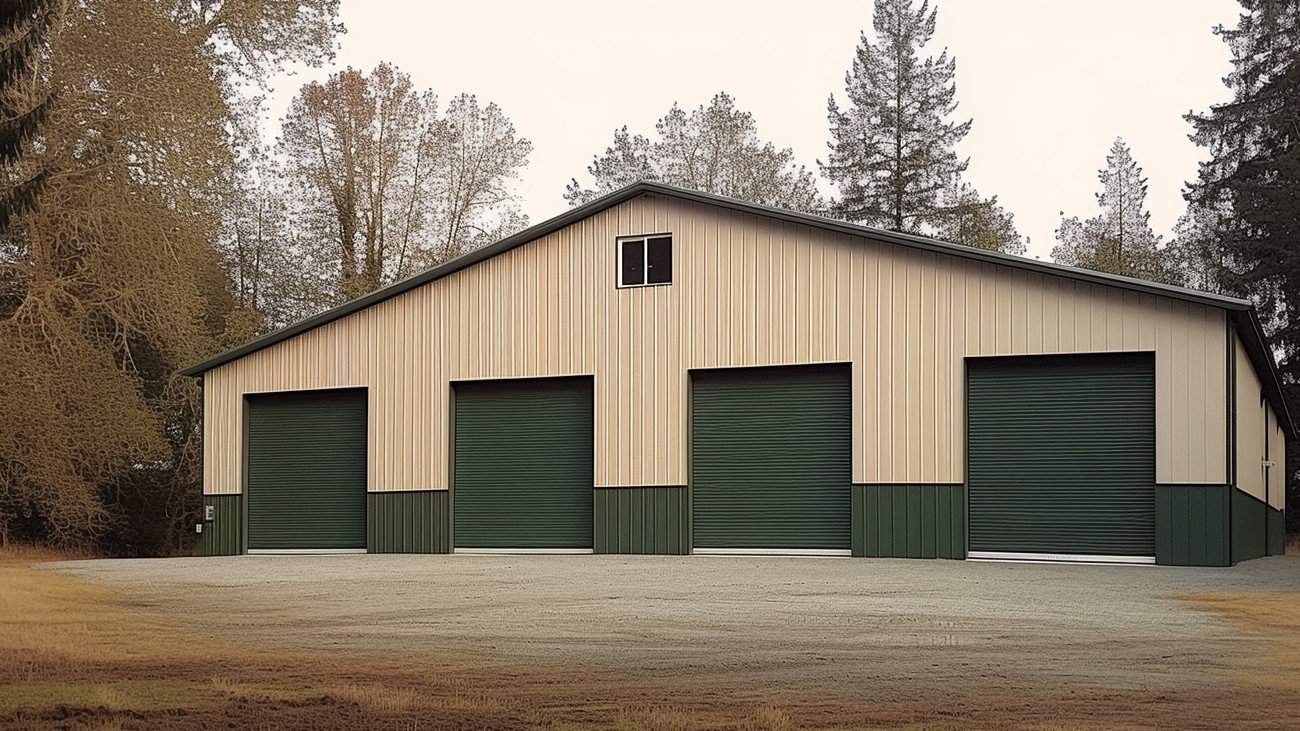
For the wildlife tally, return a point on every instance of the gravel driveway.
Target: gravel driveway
(802, 621)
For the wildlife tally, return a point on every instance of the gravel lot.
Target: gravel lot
(802, 622)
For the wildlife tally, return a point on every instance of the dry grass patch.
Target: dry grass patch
(655, 718)
(50, 623)
(1270, 616)
(124, 696)
(247, 690)
(377, 697)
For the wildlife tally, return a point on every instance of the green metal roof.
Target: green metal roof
(1241, 311)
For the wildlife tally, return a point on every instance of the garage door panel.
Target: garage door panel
(523, 465)
(307, 470)
(771, 458)
(1061, 454)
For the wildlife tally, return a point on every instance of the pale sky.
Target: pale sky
(1049, 83)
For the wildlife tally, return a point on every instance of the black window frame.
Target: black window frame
(644, 240)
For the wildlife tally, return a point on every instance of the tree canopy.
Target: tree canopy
(714, 149)
(892, 151)
(1118, 239)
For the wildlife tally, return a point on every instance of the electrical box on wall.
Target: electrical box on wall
(209, 512)
(198, 527)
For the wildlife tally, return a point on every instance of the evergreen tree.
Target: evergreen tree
(111, 283)
(1196, 256)
(1250, 187)
(714, 148)
(1248, 192)
(970, 219)
(892, 150)
(1119, 238)
(24, 100)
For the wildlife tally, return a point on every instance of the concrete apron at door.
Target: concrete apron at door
(527, 551)
(1059, 558)
(302, 551)
(822, 552)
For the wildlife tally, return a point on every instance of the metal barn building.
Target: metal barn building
(665, 371)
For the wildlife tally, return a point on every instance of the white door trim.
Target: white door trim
(538, 551)
(772, 552)
(301, 551)
(1057, 557)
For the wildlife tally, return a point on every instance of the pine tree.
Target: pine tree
(892, 150)
(1250, 186)
(1248, 192)
(1119, 238)
(970, 219)
(24, 101)
(714, 148)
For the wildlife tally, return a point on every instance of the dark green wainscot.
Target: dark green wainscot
(1192, 525)
(1249, 527)
(909, 521)
(408, 522)
(1276, 532)
(642, 520)
(223, 525)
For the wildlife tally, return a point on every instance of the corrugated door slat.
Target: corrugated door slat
(771, 461)
(524, 465)
(1062, 454)
(307, 470)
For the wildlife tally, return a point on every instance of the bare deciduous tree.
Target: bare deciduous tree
(112, 282)
(390, 182)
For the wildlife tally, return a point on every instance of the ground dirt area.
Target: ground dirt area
(585, 642)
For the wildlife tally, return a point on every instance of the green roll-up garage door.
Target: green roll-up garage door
(771, 458)
(1061, 455)
(307, 470)
(524, 466)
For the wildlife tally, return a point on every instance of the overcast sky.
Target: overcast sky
(1049, 83)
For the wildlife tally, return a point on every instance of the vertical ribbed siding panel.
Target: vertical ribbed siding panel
(1192, 525)
(408, 522)
(224, 534)
(746, 291)
(1249, 524)
(1276, 532)
(1277, 475)
(909, 521)
(642, 520)
(1251, 429)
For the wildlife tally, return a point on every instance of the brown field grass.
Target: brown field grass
(74, 655)
(1273, 616)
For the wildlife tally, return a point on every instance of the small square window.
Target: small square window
(645, 260)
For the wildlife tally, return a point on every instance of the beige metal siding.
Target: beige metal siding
(1251, 430)
(1276, 453)
(747, 290)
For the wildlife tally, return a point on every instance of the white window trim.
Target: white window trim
(645, 260)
